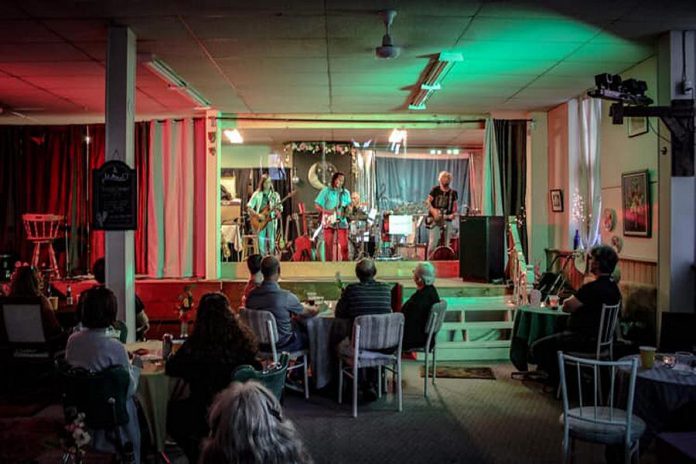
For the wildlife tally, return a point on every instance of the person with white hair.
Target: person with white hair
(417, 309)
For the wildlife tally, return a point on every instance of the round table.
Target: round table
(660, 392)
(531, 324)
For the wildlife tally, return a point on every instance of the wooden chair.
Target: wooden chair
(591, 420)
(43, 229)
(435, 320)
(372, 335)
(263, 325)
(250, 246)
(272, 378)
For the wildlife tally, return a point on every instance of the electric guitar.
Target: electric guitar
(303, 244)
(259, 220)
(438, 220)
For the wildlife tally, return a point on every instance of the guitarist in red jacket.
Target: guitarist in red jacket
(266, 202)
(333, 202)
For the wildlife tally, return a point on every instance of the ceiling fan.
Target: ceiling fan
(388, 50)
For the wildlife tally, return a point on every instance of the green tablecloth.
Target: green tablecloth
(531, 324)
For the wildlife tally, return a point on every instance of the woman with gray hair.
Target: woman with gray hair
(247, 426)
(417, 309)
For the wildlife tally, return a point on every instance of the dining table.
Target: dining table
(319, 331)
(660, 391)
(156, 389)
(531, 324)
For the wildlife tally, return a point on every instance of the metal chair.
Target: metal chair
(433, 326)
(372, 335)
(593, 422)
(272, 378)
(263, 325)
(43, 229)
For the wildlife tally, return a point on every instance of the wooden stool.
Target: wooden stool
(249, 242)
(43, 229)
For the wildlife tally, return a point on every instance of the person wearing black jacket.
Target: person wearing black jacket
(417, 309)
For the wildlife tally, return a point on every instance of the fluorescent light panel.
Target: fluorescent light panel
(431, 82)
(233, 136)
(175, 81)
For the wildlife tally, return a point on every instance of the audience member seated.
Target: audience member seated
(585, 309)
(206, 360)
(365, 297)
(94, 349)
(255, 276)
(283, 304)
(248, 426)
(26, 282)
(417, 309)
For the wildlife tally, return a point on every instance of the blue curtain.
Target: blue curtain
(404, 180)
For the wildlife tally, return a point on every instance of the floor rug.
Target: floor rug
(461, 372)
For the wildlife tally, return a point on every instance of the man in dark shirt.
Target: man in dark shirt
(585, 310)
(360, 299)
(442, 204)
(282, 303)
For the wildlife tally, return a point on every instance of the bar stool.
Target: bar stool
(249, 242)
(43, 229)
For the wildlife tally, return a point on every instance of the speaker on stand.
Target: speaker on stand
(482, 248)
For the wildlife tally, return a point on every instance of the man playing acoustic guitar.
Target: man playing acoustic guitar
(265, 204)
(332, 203)
(442, 204)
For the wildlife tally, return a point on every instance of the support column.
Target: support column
(677, 195)
(538, 185)
(120, 110)
(212, 194)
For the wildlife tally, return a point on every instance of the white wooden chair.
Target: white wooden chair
(590, 420)
(433, 326)
(263, 325)
(372, 335)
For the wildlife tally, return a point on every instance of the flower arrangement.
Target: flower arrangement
(319, 147)
(184, 308)
(76, 439)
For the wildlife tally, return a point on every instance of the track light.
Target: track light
(397, 139)
(432, 79)
(233, 136)
(175, 81)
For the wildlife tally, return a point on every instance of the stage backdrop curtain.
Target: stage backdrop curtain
(407, 180)
(491, 191)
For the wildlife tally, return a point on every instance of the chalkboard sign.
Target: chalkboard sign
(114, 197)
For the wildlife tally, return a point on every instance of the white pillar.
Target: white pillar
(538, 187)
(212, 194)
(120, 109)
(677, 195)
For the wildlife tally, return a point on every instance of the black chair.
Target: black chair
(102, 397)
(677, 332)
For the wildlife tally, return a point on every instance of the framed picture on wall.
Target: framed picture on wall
(557, 200)
(637, 126)
(635, 202)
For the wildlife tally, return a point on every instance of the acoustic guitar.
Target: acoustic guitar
(259, 220)
(303, 244)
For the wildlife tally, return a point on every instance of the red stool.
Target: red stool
(42, 229)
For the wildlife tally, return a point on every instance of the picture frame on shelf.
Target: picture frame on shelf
(556, 200)
(637, 126)
(635, 204)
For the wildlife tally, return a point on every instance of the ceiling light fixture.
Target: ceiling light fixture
(397, 139)
(176, 82)
(233, 136)
(432, 79)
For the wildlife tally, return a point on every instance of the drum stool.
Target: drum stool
(249, 242)
(43, 229)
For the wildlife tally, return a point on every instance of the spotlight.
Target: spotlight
(233, 136)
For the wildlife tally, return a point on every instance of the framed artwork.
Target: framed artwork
(635, 201)
(637, 126)
(557, 201)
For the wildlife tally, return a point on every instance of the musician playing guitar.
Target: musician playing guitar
(442, 205)
(265, 198)
(333, 202)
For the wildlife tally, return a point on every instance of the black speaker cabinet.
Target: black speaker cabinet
(481, 248)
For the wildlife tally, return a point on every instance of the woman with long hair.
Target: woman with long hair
(247, 426)
(206, 360)
(264, 196)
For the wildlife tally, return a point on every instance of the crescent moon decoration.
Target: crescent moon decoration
(609, 219)
(318, 171)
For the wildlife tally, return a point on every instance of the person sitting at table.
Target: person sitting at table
(283, 304)
(255, 277)
(206, 360)
(366, 297)
(247, 425)
(416, 310)
(93, 348)
(585, 309)
(26, 282)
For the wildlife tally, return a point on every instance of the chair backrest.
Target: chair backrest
(378, 331)
(589, 410)
(436, 317)
(272, 378)
(607, 328)
(262, 324)
(21, 318)
(41, 227)
(102, 396)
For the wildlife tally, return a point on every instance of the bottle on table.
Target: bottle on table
(166, 345)
(69, 296)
